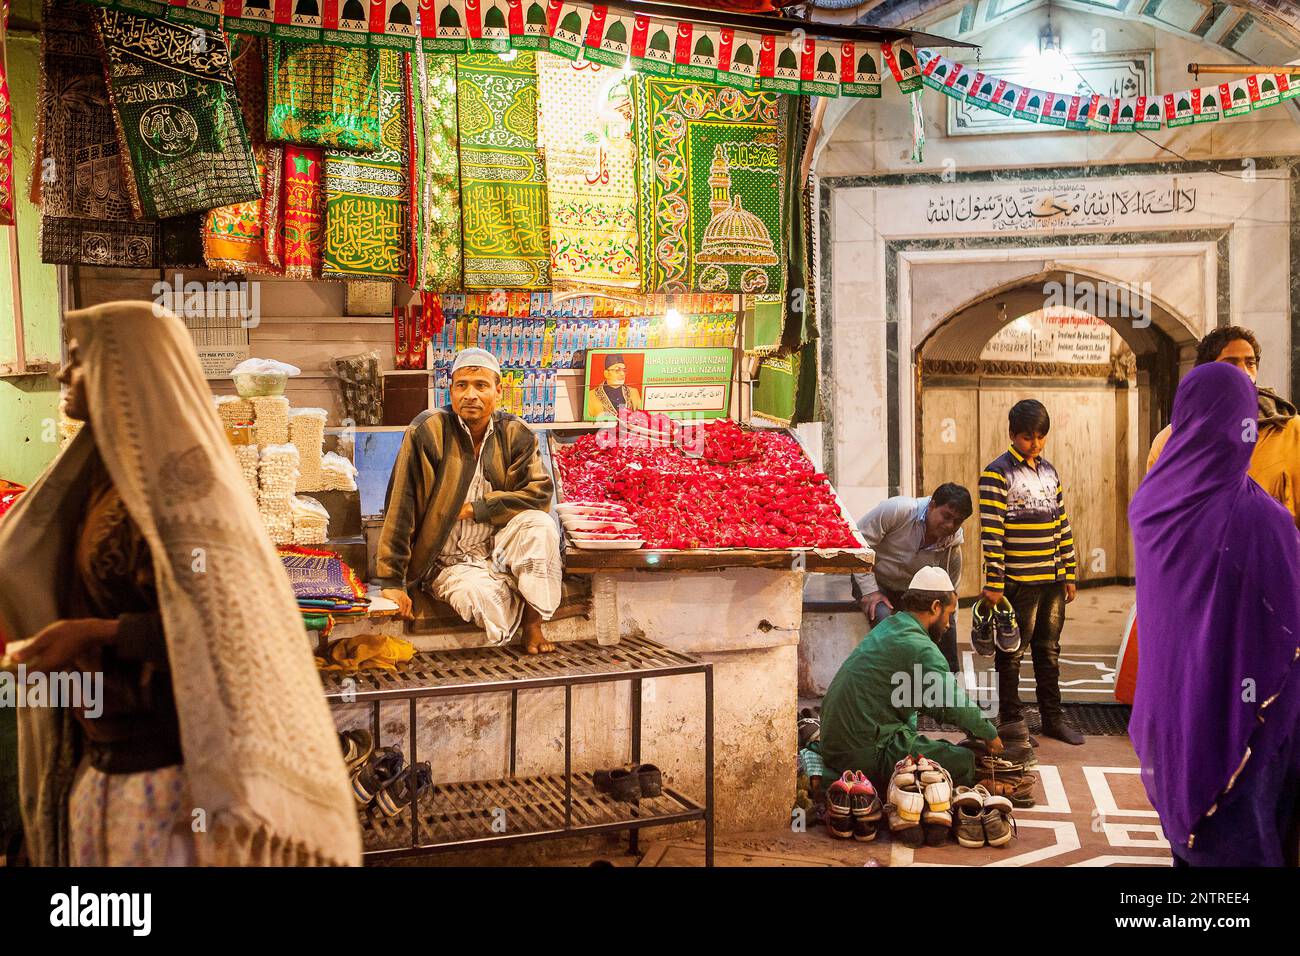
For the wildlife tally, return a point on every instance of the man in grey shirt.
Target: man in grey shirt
(907, 535)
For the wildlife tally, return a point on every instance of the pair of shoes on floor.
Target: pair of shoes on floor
(981, 818)
(994, 628)
(1003, 778)
(853, 808)
(383, 780)
(630, 782)
(919, 802)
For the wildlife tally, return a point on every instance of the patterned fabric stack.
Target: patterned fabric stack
(323, 583)
(177, 114)
(307, 434)
(366, 192)
(586, 136)
(322, 95)
(86, 214)
(711, 186)
(502, 180)
(245, 237)
(435, 179)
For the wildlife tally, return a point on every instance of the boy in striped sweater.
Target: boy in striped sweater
(1029, 556)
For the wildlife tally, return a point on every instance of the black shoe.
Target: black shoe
(1006, 632)
(381, 769)
(981, 629)
(411, 783)
(1062, 729)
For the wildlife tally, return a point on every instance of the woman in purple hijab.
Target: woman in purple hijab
(1215, 719)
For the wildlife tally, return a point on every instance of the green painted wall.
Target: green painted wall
(29, 404)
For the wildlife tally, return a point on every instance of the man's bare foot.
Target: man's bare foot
(534, 642)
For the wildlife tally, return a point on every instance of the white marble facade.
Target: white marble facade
(1208, 229)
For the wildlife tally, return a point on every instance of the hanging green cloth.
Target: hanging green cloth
(366, 194)
(711, 183)
(173, 97)
(435, 194)
(503, 181)
(322, 95)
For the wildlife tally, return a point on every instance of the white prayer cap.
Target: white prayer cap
(479, 358)
(931, 579)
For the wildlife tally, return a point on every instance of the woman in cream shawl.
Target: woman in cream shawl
(261, 780)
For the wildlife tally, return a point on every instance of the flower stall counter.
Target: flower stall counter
(650, 493)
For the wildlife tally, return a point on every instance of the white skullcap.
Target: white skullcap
(479, 358)
(931, 579)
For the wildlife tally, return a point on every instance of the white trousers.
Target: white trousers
(524, 566)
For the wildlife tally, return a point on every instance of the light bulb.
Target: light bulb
(673, 319)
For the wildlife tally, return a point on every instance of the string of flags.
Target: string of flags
(1110, 114)
(792, 61)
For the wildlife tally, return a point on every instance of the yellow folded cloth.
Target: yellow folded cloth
(366, 651)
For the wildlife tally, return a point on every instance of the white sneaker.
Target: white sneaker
(905, 795)
(936, 785)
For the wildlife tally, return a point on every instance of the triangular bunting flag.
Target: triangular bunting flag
(1150, 112)
(1178, 109)
(448, 33)
(860, 70)
(901, 57)
(652, 46)
(825, 70)
(738, 59)
(1234, 97)
(1029, 105)
(1206, 105)
(936, 71)
(614, 47)
(569, 32)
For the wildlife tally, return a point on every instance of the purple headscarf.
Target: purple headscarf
(1218, 606)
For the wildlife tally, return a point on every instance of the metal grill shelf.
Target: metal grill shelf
(461, 815)
(482, 670)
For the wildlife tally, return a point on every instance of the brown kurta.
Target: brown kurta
(431, 477)
(137, 729)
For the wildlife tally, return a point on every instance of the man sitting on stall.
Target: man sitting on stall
(869, 714)
(908, 534)
(467, 517)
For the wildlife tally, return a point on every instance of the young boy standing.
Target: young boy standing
(1029, 556)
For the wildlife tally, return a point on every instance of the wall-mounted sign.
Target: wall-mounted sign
(692, 383)
(1112, 75)
(1061, 337)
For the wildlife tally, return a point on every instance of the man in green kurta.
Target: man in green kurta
(897, 672)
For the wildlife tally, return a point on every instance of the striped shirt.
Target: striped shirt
(1025, 531)
(470, 539)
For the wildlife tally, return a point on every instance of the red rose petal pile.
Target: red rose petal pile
(769, 496)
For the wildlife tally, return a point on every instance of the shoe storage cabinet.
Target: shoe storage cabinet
(458, 816)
